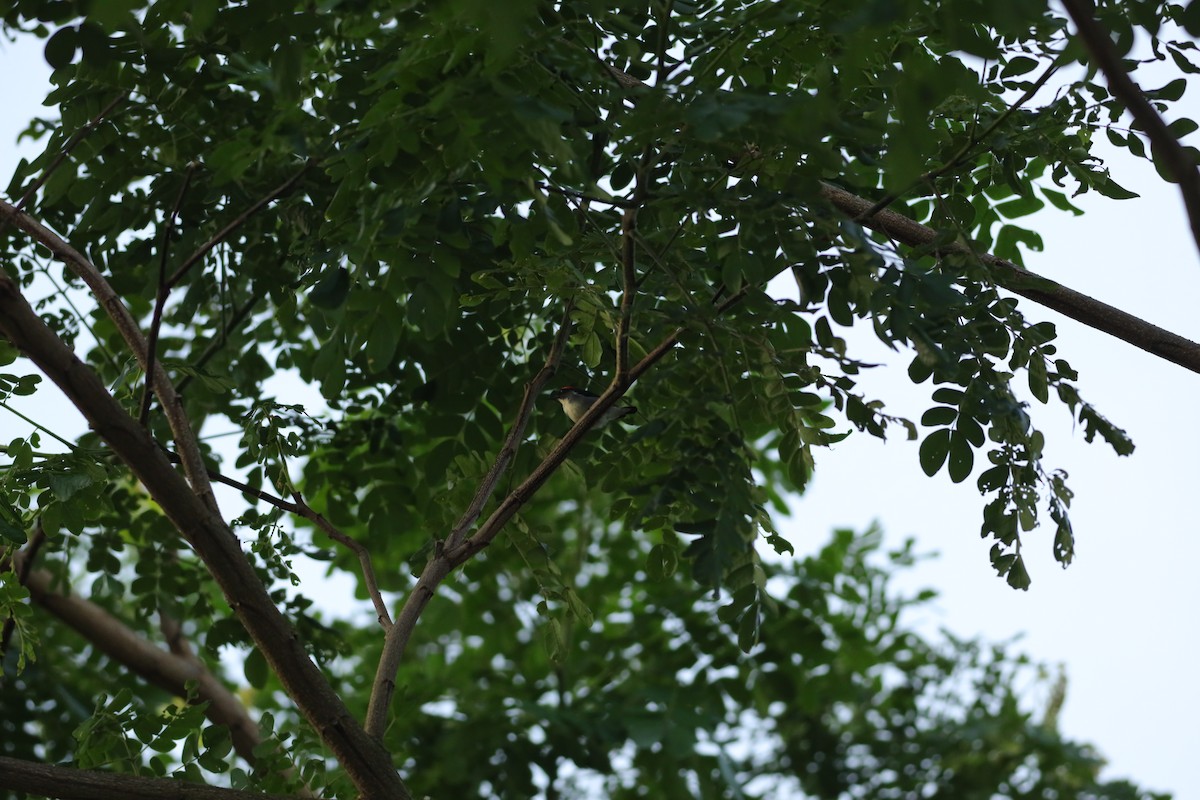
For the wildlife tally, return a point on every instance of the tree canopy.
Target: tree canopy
(435, 213)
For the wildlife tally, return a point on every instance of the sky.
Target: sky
(1123, 618)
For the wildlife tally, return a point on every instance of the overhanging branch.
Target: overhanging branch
(1068, 302)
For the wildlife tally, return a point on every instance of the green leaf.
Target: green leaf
(332, 289)
(939, 415)
(934, 450)
(1110, 188)
(961, 458)
(1018, 576)
(255, 669)
(60, 48)
(661, 562)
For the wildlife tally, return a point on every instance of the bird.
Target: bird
(577, 401)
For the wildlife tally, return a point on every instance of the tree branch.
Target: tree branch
(168, 671)
(238, 221)
(446, 559)
(366, 762)
(1182, 168)
(439, 567)
(181, 429)
(302, 509)
(359, 549)
(68, 783)
(75, 139)
(1093, 313)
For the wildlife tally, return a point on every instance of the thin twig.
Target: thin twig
(964, 152)
(235, 319)
(619, 202)
(364, 557)
(160, 300)
(628, 290)
(302, 509)
(75, 139)
(37, 425)
(1182, 168)
(240, 220)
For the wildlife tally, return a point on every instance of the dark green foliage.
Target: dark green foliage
(397, 205)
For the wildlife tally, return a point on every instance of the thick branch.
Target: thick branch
(163, 669)
(68, 783)
(185, 439)
(366, 762)
(1182, 168)
(1066, 301)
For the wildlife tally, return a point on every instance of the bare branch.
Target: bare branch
(302, 509)
(360, 550)
(367, 763)
(1093, 313)
(1182, 168)
(68, 783)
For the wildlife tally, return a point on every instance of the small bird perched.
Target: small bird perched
(577, 401)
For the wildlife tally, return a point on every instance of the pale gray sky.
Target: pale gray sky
(1123, 617)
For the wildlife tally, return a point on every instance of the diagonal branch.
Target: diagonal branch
(181, 427)
(302, 509)
(75, 139)
(237, 222)
(168, 671)
(367, 763)
(964, 153)
(439, 566)
(1182, 168)
(356, 547)
(69, 783)
(447, 558)
(1093, 313)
